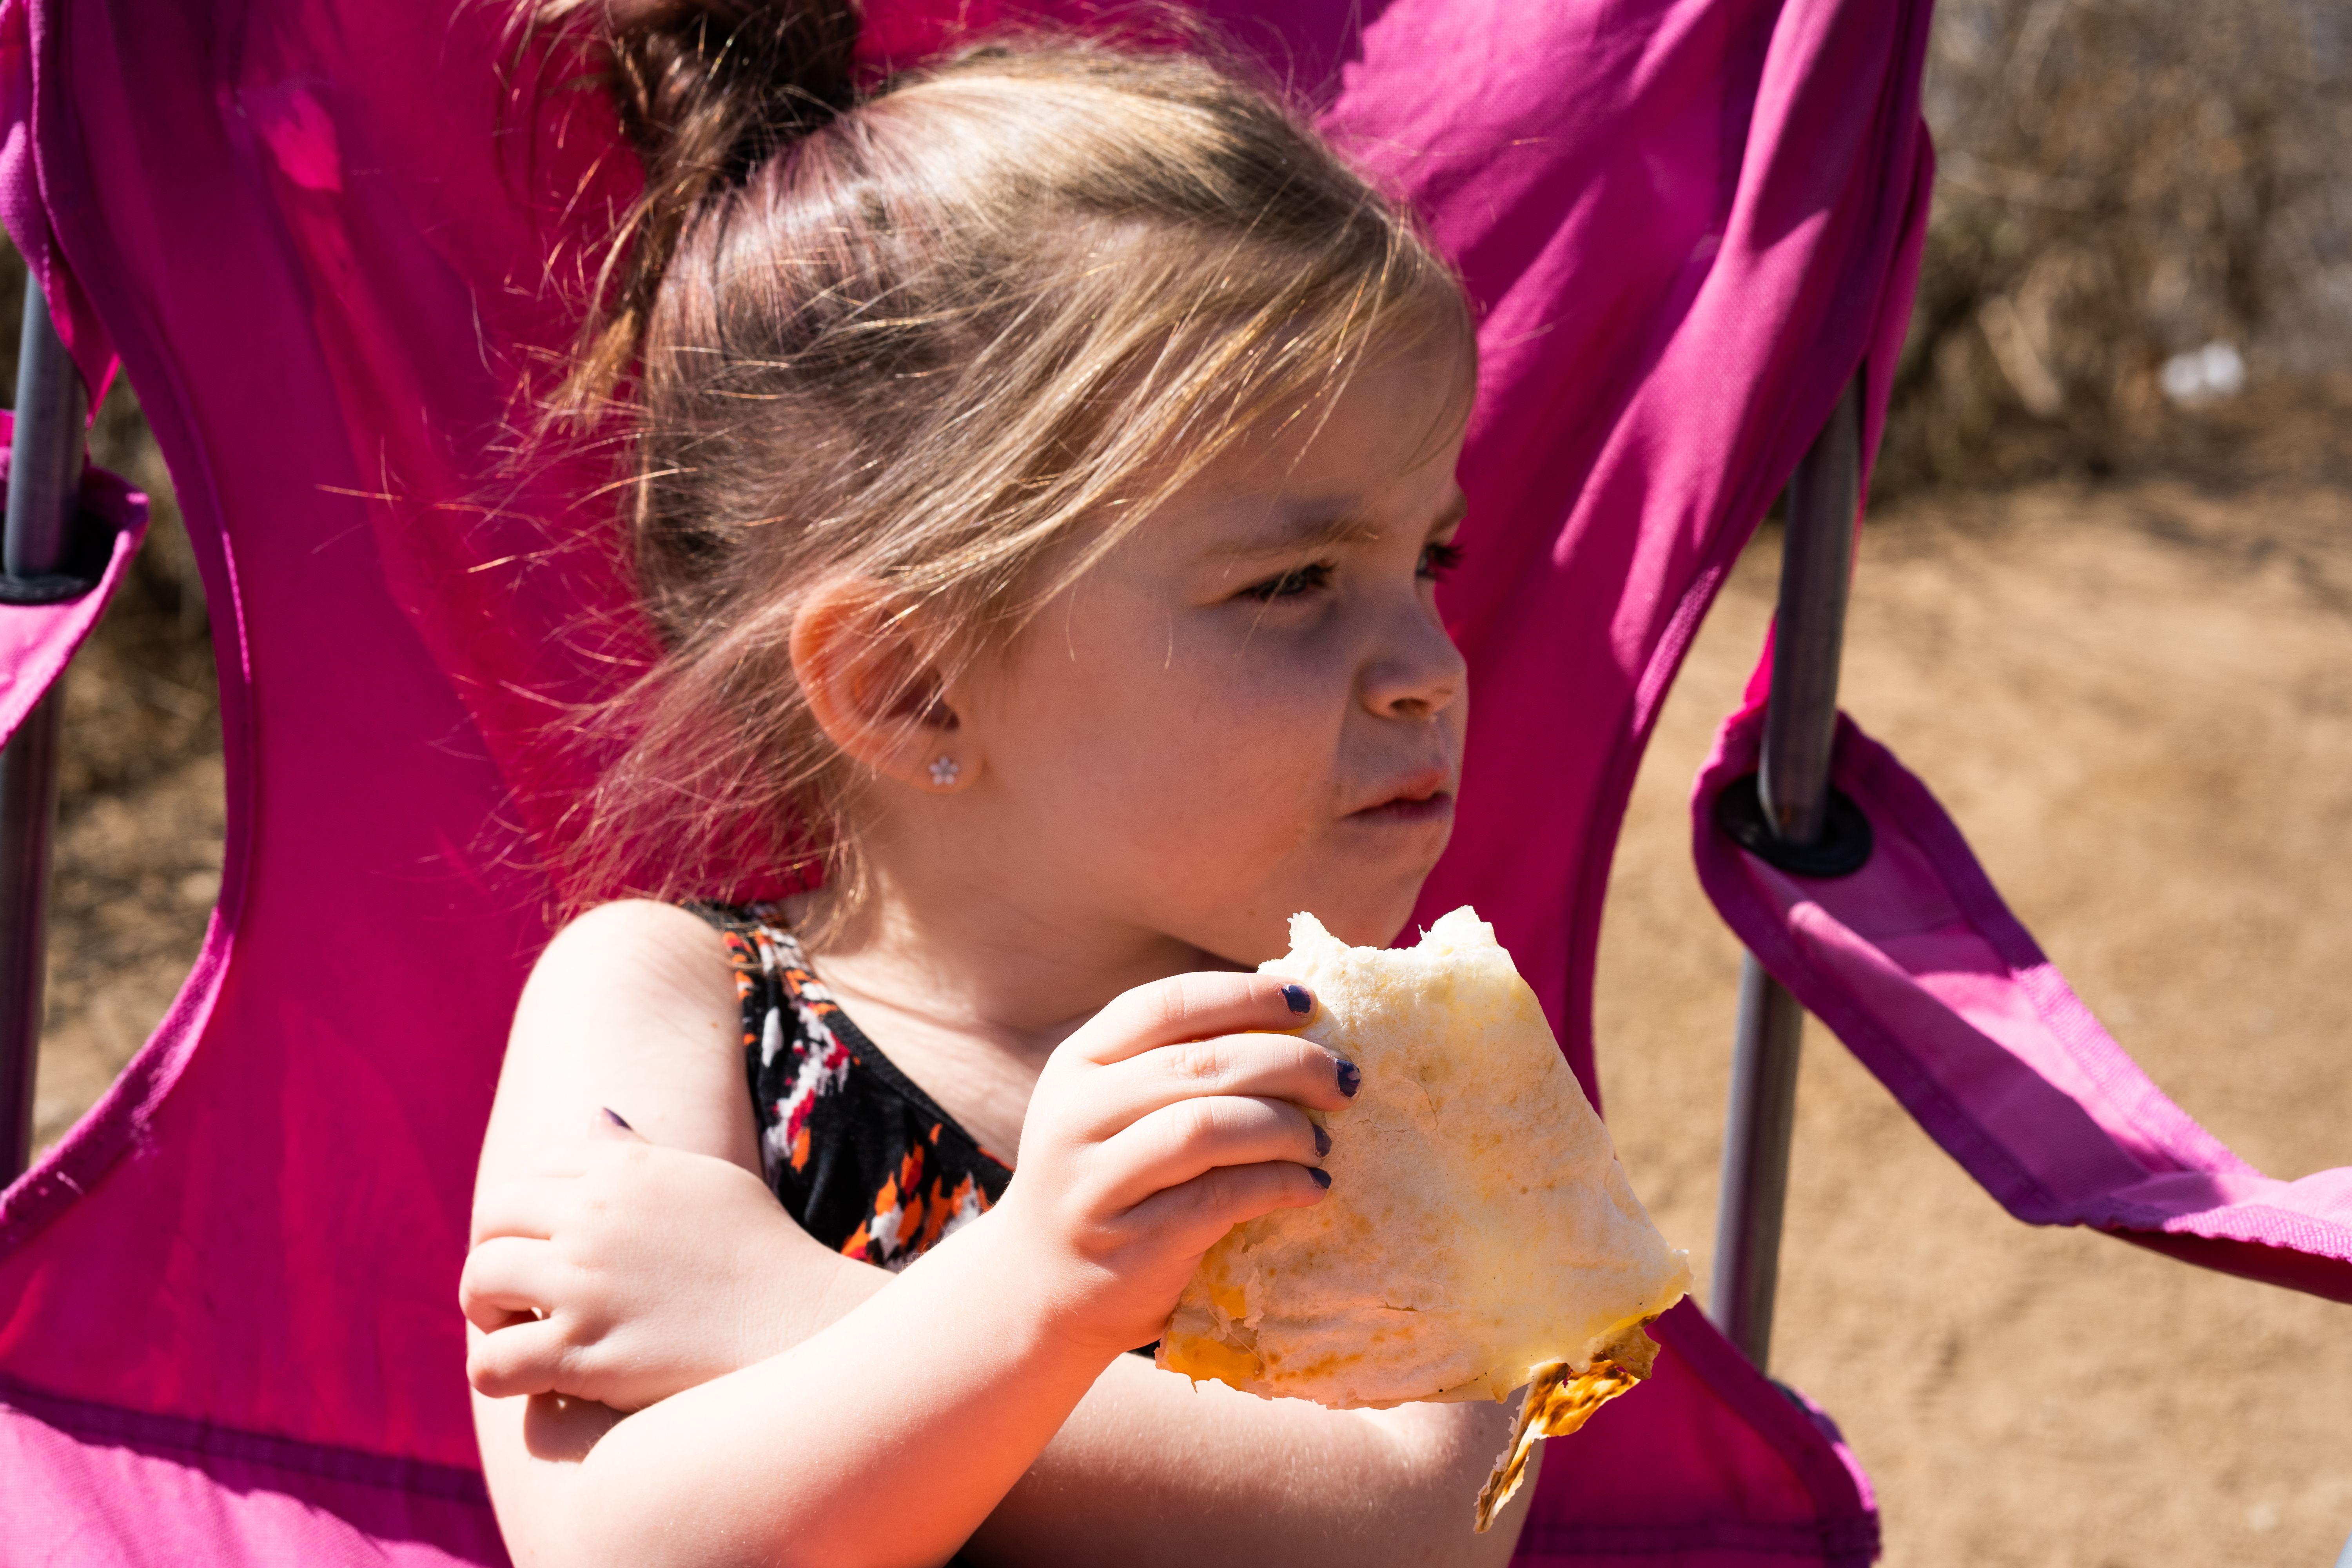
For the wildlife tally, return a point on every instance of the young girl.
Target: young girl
(1044, 465)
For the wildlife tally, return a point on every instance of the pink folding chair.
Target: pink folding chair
(318, 234)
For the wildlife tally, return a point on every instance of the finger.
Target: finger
(504, 1277)
(569, 1158)
(527, 1206)
(529, 1358)
(1271, 1067)
(1192, 1007)
(1196, 1214)
(1179, 1142)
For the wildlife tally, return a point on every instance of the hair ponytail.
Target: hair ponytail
(708, 92)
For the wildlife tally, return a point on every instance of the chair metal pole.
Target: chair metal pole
(44, 501)
(1800, 727)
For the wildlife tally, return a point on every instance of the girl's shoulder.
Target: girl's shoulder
(633, 956)
(631, 1008)
(643, 930)
(634, 947)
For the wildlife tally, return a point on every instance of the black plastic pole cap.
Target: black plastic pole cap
(1843, 849)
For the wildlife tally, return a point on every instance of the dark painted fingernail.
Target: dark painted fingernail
(613, 1117)
(1322, 1143)
(1297, 1000)
(1322, 1177)
(1350, 1080)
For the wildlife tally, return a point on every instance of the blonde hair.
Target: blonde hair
(955, 335)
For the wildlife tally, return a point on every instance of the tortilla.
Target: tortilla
(1479, 1234)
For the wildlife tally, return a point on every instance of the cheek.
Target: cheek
(1167, 748)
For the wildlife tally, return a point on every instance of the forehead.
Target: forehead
(1377, 454)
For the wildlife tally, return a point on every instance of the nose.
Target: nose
(1416, 672)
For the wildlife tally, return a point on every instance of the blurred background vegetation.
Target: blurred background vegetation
(2140, 252)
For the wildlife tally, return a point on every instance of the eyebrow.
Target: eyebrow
(1314, 525)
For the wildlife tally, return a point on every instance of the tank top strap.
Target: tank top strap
(858, 1152)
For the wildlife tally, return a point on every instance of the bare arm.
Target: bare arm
(1152, 1469)
(900, 1397)
(633, 1009)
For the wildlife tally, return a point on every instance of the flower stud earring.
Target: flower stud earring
(944, 771)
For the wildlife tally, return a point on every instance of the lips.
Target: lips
(1423, 797)
(1427, 809)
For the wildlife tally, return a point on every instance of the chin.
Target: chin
(1358, 920)
(1371, 917)
(1360, 901)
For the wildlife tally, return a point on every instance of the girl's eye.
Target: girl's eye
(1438, 560)
(1295, 584)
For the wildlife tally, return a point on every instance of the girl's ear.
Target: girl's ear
(872, 685)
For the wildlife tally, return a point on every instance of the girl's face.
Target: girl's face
(1249, 707)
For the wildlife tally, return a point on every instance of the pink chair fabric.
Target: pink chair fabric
(319, 233)
(1926, 976)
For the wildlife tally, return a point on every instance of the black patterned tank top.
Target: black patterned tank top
(863, 1159)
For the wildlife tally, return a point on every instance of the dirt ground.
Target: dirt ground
(2138, 700)
(2138, 703)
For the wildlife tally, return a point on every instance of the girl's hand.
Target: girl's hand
(621, 1272)
(1156, 1128)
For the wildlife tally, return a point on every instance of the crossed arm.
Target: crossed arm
(794, 1405)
